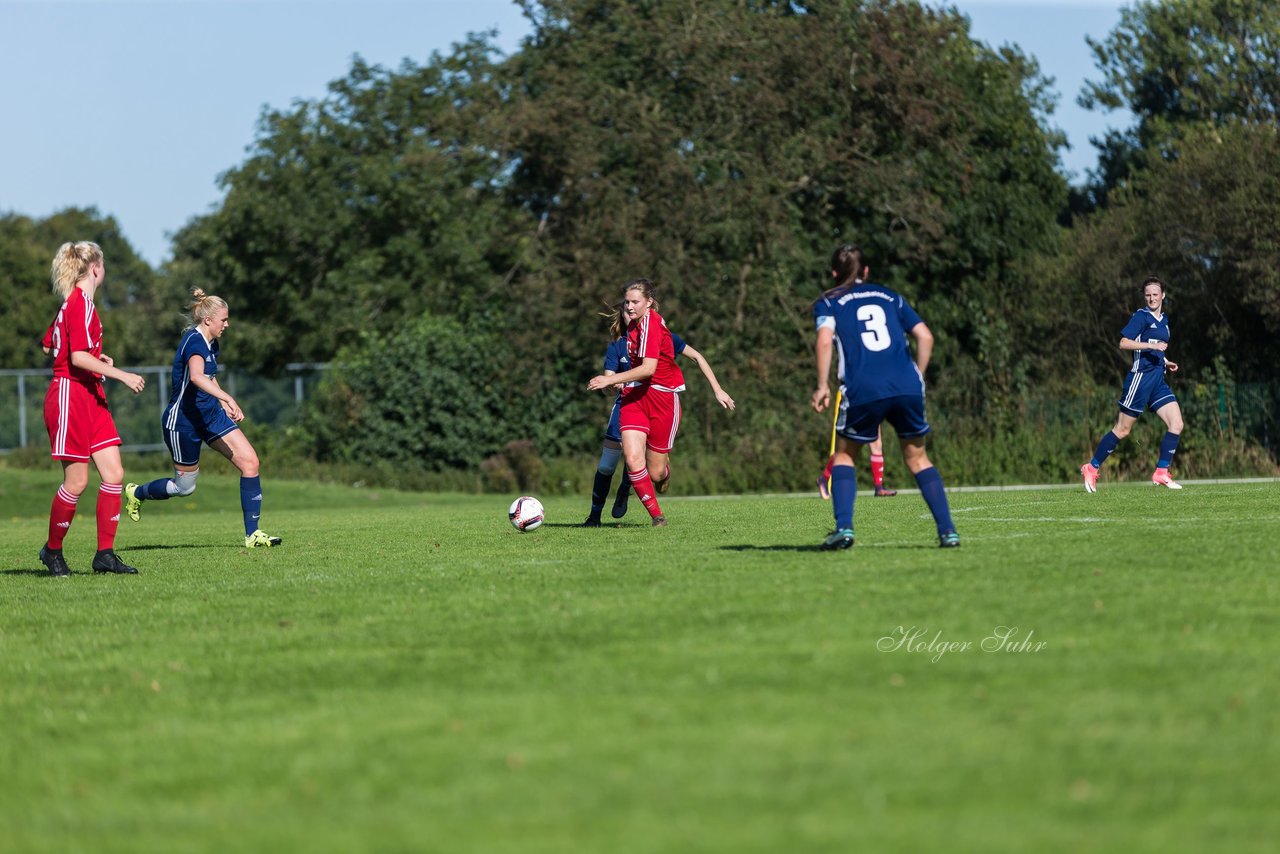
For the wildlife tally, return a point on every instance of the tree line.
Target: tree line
(450, 232)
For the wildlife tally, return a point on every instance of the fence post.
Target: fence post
(1222, 407)
(22, 411)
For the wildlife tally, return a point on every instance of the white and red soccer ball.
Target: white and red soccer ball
(526, 513)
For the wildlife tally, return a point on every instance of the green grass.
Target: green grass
(408, 673)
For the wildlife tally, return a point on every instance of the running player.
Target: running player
(201, 411)
(616, 360)
(869, 324)
(1147, 335)
(650, 414)
(75, 408)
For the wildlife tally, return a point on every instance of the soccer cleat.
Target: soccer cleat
(824, 488)
(620, 500)
(592, 522)
(107, 560)
(1090, 477)
(883, 491)
(53, 559)
(132, 503)
(662, 485)
(841, 538)
(659, 521)
(260, 539)
(1161, 478)
(949, 540)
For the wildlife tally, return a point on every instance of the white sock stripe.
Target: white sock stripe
(636, 476)
(67, 496)
(111, 488)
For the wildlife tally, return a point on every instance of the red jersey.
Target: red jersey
(649, 338)
(77, 327)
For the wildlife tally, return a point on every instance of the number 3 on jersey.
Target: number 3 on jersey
(875, 336)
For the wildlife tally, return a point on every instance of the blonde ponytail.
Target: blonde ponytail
(71, 263)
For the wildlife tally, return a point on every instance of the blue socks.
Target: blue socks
(930, 483)
(156, 490)
(1168, 447)
(250, 503)
(1105, 447)
(609, 459)
(844, 489)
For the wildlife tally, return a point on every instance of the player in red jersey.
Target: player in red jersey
(650, 415)
(75, 408)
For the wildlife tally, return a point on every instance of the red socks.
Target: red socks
(63, 510)
(643, 486)
(877, 469)
(60, 516)
(108, 514)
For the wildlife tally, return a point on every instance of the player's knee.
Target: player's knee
(609, 459)
(1120, 430)
(1175, 425)
(182, 483)
(248, 463)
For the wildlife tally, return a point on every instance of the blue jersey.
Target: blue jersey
(870, 325)
(184, 396)
(1145, 326)
(616, 358)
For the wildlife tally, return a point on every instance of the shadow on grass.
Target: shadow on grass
(816, 548)
(602, 525)
(167, 546)
(750, 548)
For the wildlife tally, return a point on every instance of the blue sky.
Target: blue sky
(136, 106)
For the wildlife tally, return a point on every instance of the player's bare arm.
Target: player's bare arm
(637, 374)
(924, 346)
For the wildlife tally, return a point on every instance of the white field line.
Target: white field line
(1026, 487)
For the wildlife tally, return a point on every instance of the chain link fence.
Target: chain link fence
(275, 401)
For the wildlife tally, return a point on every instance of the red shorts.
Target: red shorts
(78, 420)
(653, 412)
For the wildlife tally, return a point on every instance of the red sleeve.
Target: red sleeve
(77, 324)
(47, 341)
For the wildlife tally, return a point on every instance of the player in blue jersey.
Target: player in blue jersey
(617, 360)
(1147, 335)
(201, 412)
(868, 326)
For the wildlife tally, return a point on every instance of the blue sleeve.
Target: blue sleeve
(678, 343)
(822, 309)
(1134, 327)
(613, 354)
(907, 315)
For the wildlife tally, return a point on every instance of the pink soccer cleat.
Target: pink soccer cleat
(1161, 478)
(1090, 477)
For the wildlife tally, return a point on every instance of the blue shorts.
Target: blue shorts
(613, 430)
(1144, 390)
(862, 423)
(184, 435)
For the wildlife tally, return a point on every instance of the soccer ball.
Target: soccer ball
(526, 513)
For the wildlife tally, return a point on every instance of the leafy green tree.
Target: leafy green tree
(1178, 64)
(721, 148)
(129, 301)
(432, 395)
(1206, 223)
(355, 212)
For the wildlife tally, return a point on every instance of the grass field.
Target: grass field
(408, 673)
